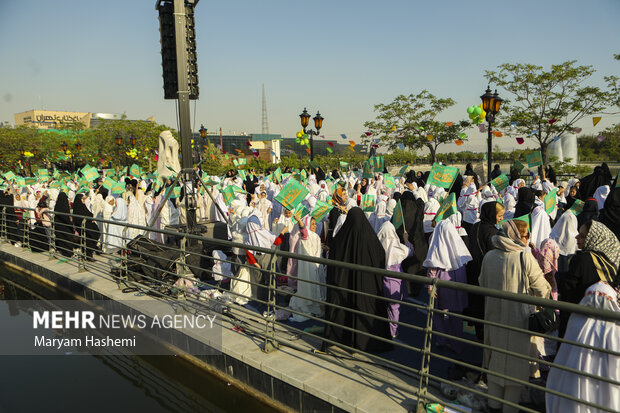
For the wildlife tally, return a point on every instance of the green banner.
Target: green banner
(277, 174)
(368, 203)
(442, 176)
(389, 181)
(109, 172)
(534, 159)
(118, 188)
(577, 207)
(30, 181)
(447, 208)
(500, 183)
(397, 217)
(243, 161)
(44, 173)
(344, 164)
(10, 176)
(550, 200)
(176, 192)
(320, 211)
(300, 211)
(135, 171)
(291, 195)
(403, 170)
(90, 174)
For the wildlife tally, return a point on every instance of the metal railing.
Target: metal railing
(169, 277)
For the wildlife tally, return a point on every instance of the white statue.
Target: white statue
(168, 155)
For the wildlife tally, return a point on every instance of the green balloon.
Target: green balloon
(470, 110)
(477, 110)
(472, 116)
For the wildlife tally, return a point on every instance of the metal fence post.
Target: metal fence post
(3, 234)
(123, 275)
(426, 350)
(271, 343)
(26, 236)
(82, 253)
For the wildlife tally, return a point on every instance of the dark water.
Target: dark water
(111, 384)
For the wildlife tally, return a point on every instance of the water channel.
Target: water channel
(111, 383)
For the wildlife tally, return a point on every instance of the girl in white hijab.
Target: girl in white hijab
(446, 259)
(379, 216)
(591, 331)
(309, 244)
(115, 232)
(395, 288)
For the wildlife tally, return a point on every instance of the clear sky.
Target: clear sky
(338, 56)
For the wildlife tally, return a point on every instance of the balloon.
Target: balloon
(472, 116)
(483, 115)
(477, 110)
(470, 110)
(299, 134)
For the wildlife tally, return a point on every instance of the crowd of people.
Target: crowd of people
(569, 252)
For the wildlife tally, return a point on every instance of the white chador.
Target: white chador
(308, 271)
(114, 238)
(135, 216)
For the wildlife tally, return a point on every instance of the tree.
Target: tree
(412, 121)
(546, 104)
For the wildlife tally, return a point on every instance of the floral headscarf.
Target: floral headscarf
(548, 256)
(601, 239)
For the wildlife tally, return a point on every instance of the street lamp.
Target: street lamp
(203, 131)
(132, 140)
(491, 103)
(64, 147)
(318, 124)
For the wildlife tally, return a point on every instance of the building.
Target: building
(53, 119)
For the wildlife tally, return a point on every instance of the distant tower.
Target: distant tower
(265, 128)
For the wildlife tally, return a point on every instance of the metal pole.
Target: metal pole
(184, 118)
(311, 145)
(489, 150)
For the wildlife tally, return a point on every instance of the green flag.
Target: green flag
(118, 188)
(313, 164)
(109, 183)
(243, 161)
(442, 176)
(135, 171)
(550, 200)
(90, 174)
(30, 181)
(500, 183)
(447, 208)
(368, 203)
(577, 207)
(277, 174)
(389, 181)
(109, 172)
(20, 181)
(534, 159)
(518, 166)
(344, 164)
(291, 195)
(367, 173)
(403, 170)
(320, 211)
(397, 217)
(525, 218)
(44, 173)
(300, 211)
(176, 192)
(9, 176)
(55, 184)
(304, 174)
(229, 194)
(236, 163)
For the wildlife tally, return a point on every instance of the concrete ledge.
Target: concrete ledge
(296, 379)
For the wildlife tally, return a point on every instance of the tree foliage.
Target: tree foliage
(546, 104)
(412, 121)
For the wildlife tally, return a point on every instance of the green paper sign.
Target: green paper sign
(442, 176)
(500, 183)
(10, 176)
(277, 174)
(135, 171)
(320, 211)
(397, 217)
(534, 159)
(403, 170)
(300, 211)
(30, 181)
(344, 164)
(447, 208)
(176, 192)
(109, 172)
(550, 200)
(577, 207)
(90, 174)
(389, 181)
(291, 195)
(43, 173)
(109, 183)
(118, 188)
(20, 181)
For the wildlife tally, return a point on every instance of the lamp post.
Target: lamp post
(119, 141)
(203, 136)
(491, 103)
(318, 124)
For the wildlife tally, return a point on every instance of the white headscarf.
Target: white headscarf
(389, 209)
(257, 235)
(446, 251)
(564, 232)
(395, 252)
(600, 195)
(456, 221)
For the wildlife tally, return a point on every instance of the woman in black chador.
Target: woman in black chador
(63, 226)
(92, 230)
(356, 242)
